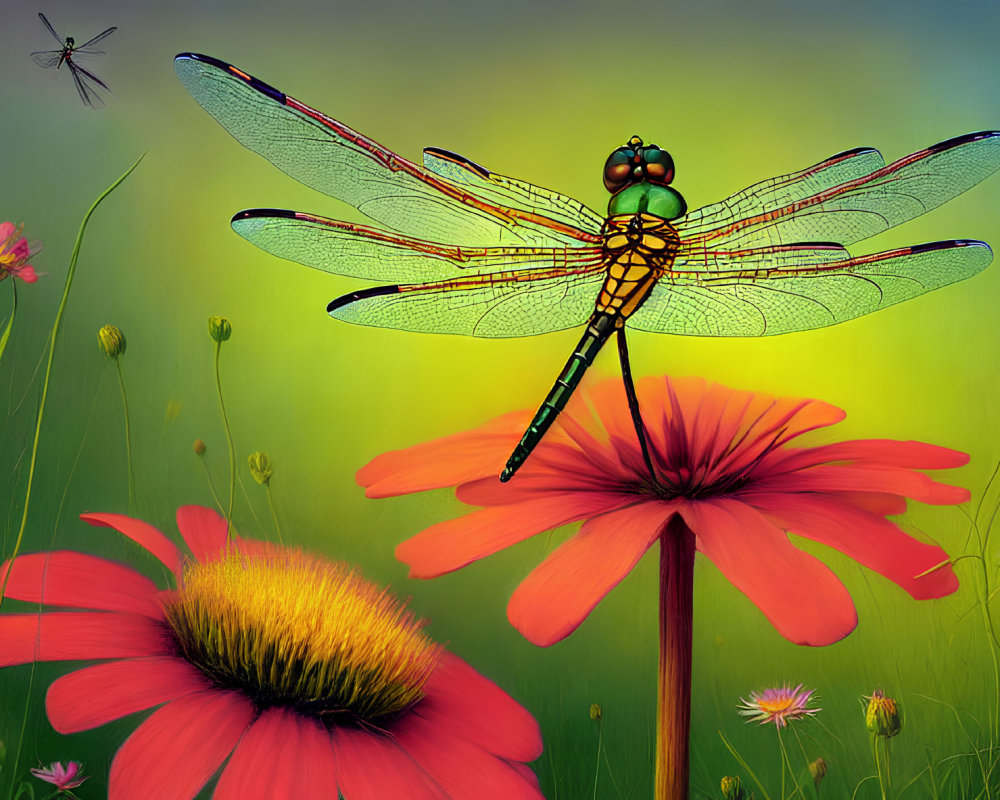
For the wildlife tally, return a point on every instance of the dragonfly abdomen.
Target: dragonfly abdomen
(639, 249)
(600, 327)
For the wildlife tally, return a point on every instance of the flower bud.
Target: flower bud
(817, 769)
(199, 447)
(219, 328)
(260, 467)
(111, 341)
(595, 712)
(882, 717)
(732, 788)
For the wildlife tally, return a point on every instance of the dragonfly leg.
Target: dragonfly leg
(633, 403)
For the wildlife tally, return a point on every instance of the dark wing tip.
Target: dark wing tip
(949, 244)
(255, 213)
(455, 158)
(361, 294)
(234, 72)
(965, 138)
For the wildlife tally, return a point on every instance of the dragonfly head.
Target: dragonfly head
(70, 43)
(637, 176)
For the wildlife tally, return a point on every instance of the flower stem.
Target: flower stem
(673, 703)
(274, 516)
(597, 769)
(232, 449)
(48, 367)
(10, 319)
(878, 768)
(128, 439)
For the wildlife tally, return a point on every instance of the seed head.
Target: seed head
(219, 328)
(111, 341)
(595, 712)
(199, 447)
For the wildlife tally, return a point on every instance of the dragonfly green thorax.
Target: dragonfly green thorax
(637, 176)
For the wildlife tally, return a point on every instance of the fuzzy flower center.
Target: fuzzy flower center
(293, 630)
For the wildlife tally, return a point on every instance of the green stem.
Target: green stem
(232, 449)
(128, 440)
(277, 527)
(211, 484)
(597, 768)
(48, 367)
(878, 769)
(10, 319)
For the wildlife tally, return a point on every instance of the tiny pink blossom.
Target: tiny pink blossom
(14, 253)
(780, 705)
(62, 777)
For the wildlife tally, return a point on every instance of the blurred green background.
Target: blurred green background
(738, 92)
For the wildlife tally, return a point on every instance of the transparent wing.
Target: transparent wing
(47, 58)
(52, 30)
(85, 82)
(511, 192)
(327, 155)
(102, 35)
(782, 290)
(845, 199)
(357, 251)
(498, 305)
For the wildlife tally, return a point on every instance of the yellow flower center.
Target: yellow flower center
(776, 707)
(294, 630)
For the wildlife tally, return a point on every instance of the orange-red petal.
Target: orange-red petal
(463, 770)
(79, 580)
(284, 756)
(454, 543)
(865, 478)
(97, 695)
(179, 747)
(477, 710)
(143, 534)
(447, 461)
(77, 636)
(373, 767)
(204, 531)
(801, 597)
(559, 594)
(868, 538)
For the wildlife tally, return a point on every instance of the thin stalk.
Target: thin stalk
(48, 367)
(277, 526)
(742, 762)
(232, 449)
(597, 768)
(878, 769)
(10, 319)
(128, 439)
(633, 402)
(211, 484)
(673, 703)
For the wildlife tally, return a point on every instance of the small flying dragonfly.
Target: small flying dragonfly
(85, 80)
(499, 257)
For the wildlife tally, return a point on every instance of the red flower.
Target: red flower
(241, 659)
(14, 254)
(724, 464)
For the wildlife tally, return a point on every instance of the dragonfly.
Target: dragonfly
(470, 251)
(85, 80)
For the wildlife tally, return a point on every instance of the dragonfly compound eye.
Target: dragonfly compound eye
(659, 165)
(618, 169)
